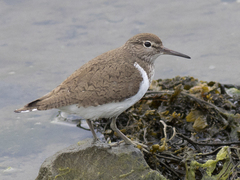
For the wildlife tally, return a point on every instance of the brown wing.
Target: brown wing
(100, 81)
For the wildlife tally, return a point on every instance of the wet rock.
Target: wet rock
(97, 161)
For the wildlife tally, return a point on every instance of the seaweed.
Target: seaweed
(186, 128)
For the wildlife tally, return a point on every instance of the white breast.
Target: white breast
(111, 109)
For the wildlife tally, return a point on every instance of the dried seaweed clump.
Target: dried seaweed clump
(187, 129)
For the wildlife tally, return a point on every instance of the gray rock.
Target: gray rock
(87, 161)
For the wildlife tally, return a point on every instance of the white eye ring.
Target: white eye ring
(147, 44)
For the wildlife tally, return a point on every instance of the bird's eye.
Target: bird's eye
(147, 44)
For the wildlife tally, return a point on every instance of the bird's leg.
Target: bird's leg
(89, 122)
(119, 133)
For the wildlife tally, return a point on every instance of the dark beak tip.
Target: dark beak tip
(174, 53)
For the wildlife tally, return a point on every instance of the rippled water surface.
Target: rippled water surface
(43, 42)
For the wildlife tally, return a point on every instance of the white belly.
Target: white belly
(111, 109)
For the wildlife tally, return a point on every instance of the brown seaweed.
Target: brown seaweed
(186, 128)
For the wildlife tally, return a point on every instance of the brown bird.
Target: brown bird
(108, 84)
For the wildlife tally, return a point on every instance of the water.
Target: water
(43, 42)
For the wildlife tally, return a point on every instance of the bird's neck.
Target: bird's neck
(148, 67)
(146, 62)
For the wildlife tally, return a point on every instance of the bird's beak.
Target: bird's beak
(174, 53)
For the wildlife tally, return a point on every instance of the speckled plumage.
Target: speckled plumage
(107, 78)
(108, 84)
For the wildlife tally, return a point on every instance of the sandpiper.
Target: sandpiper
(108, 84)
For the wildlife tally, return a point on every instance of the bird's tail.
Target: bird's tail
(32, 106)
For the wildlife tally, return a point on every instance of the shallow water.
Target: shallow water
(43, 42)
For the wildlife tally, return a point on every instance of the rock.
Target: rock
(97, 161)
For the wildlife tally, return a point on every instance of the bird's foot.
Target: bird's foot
(115, 144)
